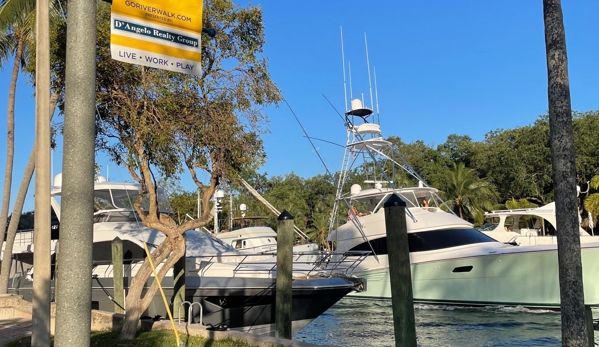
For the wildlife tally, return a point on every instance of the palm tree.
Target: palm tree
(466, 193)
(17, 21)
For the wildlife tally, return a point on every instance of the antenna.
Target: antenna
(368, 66)
(376, 97)
(343, 64)
(350, 87)
(308, 137)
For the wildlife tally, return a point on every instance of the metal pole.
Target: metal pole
(215, 216)
(199, 205)
(402, 300)
(73, 301)
(230, 212)
(40, 336)
(284, 273)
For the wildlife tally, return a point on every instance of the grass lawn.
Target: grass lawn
(162, 338)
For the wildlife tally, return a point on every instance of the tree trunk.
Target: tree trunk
(18, 209)
(10, 137)
(171, 250)
(564, 178)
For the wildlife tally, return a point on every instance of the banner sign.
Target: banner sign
(164, 34)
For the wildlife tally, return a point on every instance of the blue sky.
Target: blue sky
(442, 67)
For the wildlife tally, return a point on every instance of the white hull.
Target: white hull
(514, 276)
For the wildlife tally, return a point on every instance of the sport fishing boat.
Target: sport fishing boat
(527, 226)
(451, 262)
(227, 288)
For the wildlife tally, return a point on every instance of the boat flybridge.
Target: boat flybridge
(253, 234)
(451, 262)
(233, 289)
(527, 226)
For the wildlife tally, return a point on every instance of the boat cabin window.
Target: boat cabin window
(490, 224)
(549, 229)
(509, 223)
(430, 240)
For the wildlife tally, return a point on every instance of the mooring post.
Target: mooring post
(179, 287)
(404, 322)
(117, 274)
(284, 271)
(590, 328)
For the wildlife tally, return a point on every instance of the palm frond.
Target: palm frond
(7, 48)
(15, 13)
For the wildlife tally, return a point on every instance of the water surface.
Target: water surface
(359, 322)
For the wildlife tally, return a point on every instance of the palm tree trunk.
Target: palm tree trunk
(10, 137)
(18, 210)
(564, 178)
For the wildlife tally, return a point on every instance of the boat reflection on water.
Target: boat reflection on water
(357, 322)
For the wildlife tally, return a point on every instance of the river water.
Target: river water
(358, 322)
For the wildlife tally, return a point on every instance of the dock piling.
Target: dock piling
(284, 274)
(402, 300)
(117, 274)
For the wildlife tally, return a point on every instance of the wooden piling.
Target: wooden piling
(590, 328)
(117, 274)
(284, 276)
(404, 322)
(179, 287)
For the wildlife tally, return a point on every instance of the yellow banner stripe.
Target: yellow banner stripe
(149, 18)
(175, 13)
(154, 47)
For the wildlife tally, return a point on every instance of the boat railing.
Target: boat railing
(305, 264)
(510, 211)
(24, 237)
(345, 262)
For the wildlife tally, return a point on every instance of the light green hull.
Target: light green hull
(528, 279)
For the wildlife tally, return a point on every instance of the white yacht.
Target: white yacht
(527, 226)
(233, 289)
(253, 234)
(451, 262)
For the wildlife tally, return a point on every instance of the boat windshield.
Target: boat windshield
(430, 240)
(112, 199)
(488, 226)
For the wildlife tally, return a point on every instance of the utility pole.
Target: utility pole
(73, 299)
(40, 330)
